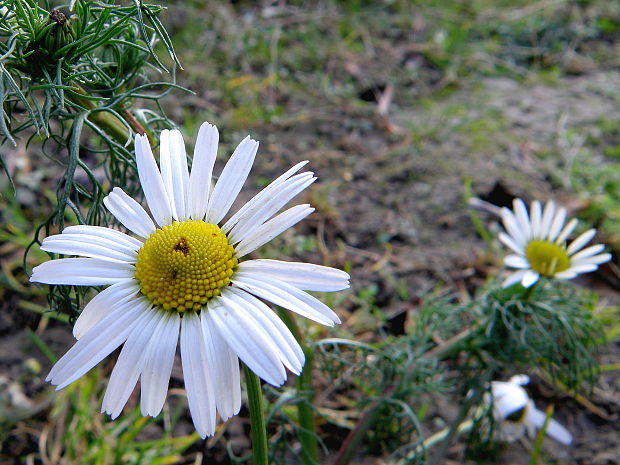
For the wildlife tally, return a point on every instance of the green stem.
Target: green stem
(108, 121)
(355, 438)
(472, 400)
(530, 290)
(305, 412)
(258, 431)
(454, 344)
(368, 418)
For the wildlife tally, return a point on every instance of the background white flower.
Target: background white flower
(539, 243)
(181, 275)
(516, 415)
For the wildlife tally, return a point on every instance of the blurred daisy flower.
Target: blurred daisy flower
(179, 278)
(516, 415)
(539, 243)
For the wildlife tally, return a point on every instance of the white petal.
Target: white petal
(304, 276)
(522, 217)
(512, 226)
(581, 241)
(127, 369)
(224, 365)
(173, 162)
(507, 398)
(287, 296)
(520, 380)
(97, 344)
(556, 226)
(248, 339)
(554, 429)
(198, 382)
(516, 261)
(87, 246)
(568, 229)
(129, 213)
(158, 361)
(112, 235)
(165, 166)
(596, 260)
(584, 268)
(253, 204)
(231, 180)
(535, 218)
(104, 303)
(82, 272)
(289, 351)
(509, 242)
(272, 228)
(587, 252)
(151, 182)
(547, 219)
(529, 278)
(205, 153)
(514, 278)
(270, 206)
(566, 274)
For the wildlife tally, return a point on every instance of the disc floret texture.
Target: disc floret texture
(539, 242)
(516, 415)
(179, 278)
(184, 264)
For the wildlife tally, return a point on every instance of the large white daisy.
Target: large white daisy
(181, 274)
(516, 415)
(539, 243)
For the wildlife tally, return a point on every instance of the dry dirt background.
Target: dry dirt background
(395, 139)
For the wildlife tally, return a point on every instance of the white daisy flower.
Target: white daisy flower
(516, 415)
(539, 243)
(182, 274)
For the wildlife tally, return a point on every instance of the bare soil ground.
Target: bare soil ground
(393, 171)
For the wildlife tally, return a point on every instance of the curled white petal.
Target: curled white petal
(270, 206)
(127, 369)
(97, 344)
(251, 206)
(272, 228)
(104, 303)
(248, 340)
(129, 213)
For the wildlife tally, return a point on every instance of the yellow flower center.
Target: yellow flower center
(547, 258)
(184, 264)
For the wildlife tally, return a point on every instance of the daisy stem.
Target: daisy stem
(436, 438)
(530, 290)
(305, 412)
(258, 430)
